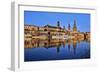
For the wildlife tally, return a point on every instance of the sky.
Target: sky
(40, 18)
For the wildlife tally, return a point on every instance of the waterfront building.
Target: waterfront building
(54, 32)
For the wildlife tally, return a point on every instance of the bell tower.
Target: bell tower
(74, 27)
(68, 27)
(58, 23)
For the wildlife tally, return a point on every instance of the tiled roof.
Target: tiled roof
(51, 26)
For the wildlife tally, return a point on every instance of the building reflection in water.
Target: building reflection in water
(36, 43)
(74, 46)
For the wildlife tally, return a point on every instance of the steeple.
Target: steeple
(68, 26)
(74, 27)
(58, 23)
(64, 27)
(68, 29)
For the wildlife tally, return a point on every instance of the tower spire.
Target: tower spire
(68, 26)
(69, 29)
(74, 27)
(58, 23)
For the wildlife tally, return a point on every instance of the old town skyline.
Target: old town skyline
(41, 19)
(56, 36)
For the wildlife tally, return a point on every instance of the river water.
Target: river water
(41, 50)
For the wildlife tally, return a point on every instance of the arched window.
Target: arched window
(45, 29)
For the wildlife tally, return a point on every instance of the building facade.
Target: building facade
(54, 32)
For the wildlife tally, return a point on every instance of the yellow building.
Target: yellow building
(56, 32)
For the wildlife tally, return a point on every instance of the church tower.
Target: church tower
(58, 23)
(74, 27)
(68, 27)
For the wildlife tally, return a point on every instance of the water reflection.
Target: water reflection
(35, 43)
(82, 47)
